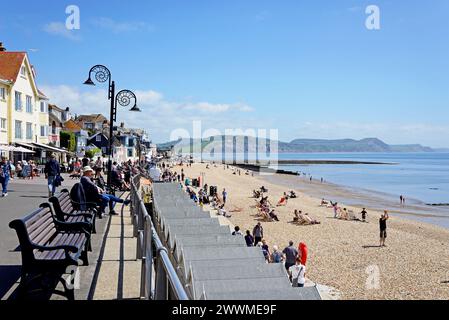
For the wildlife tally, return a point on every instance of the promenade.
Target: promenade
(24, 197)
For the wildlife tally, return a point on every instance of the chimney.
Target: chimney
(2, 48)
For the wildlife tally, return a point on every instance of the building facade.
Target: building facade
(23, 112)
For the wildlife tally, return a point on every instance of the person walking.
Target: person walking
(290, 254)
(98, 167)
(52, 170)
(276, 256)
(383, 227)
(225, 195)
(258, 233)
(5, 174)
(249, 239)
(297, 274)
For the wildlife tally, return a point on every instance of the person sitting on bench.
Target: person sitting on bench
(97, 195)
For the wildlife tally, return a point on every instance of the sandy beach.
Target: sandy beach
(414, 265)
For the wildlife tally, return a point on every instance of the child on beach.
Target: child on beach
(364, 214)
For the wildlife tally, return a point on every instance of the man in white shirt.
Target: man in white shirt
(298, 274)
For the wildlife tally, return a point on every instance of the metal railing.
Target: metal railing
(165, 283)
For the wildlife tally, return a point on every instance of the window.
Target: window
(130, 152)
(44, 107)
(29, 105)
(2, 93)
(18, 129)
(29, 131)
(3, 123)
(18, 101)
(43, 131)
(103, 150)
(23, 71)
(98, 138)
(89, 125)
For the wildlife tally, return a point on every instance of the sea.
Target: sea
(422, 178)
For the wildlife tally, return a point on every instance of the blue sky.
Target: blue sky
(308, 68)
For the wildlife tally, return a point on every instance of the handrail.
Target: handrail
(147, 240)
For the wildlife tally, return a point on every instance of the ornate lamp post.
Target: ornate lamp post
(123, 98)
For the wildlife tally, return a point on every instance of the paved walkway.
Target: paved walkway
(24, 197)
(119, 271)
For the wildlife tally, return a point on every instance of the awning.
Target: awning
(22, 149)
(26, 145)
(15, 149)
(50, 148)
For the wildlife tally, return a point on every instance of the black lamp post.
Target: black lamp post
(123, 98)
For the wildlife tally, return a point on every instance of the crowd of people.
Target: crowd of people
(294, 259)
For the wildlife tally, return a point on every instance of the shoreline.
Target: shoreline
(415, 209)
(412, 266)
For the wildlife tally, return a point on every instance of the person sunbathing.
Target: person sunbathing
(309, 220)
(282, 202)
(296, 217)
(222, 212)
(344, 214)
(256, 194)
(293, 194)
(324, 203)
(273, 215)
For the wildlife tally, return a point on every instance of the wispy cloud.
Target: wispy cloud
(121, 26)
(60, 29)
(159, 115)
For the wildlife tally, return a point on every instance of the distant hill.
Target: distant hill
(348, 145)
(297, 145)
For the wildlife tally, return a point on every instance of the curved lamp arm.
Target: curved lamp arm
(101, 74)
(124, 98)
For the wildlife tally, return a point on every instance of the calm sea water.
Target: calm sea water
(417, 176)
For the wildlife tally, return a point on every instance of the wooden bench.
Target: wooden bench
(49, 247)
(67, 210)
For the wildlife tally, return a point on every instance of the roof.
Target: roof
(42, 95)
(71, 125)
(91, 118)
(53, 106)
(10, 63)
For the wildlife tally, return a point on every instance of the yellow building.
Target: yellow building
(23, 108)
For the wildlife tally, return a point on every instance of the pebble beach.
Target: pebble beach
(344, 255)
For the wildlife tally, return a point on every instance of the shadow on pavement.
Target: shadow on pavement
(9, 276)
